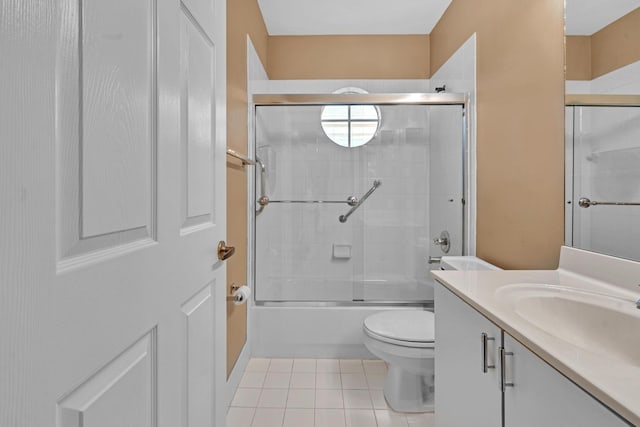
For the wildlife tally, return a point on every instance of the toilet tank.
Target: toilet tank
(465, 263)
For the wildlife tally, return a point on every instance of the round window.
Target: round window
(350, 125)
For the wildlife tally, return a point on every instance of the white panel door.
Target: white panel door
(112, 196)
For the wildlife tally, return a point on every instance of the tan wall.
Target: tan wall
(243, 17)
(520, 124)
(349, 57)
(616, 45)
(578, 58)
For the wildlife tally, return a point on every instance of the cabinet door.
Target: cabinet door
(466, 394)
(541, 396)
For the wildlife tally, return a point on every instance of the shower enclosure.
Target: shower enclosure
(350, 192)
(603, 174)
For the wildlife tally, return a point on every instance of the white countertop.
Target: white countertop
(615, 384)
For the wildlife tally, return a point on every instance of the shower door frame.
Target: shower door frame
(323, 99)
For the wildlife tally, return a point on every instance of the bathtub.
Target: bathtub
(308, 329)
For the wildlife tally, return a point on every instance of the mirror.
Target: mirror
(602, 161)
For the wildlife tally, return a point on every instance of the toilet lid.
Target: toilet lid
(402, 325)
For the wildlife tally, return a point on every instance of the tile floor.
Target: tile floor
(316, 392)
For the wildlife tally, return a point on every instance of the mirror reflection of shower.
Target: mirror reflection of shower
(602, 175)
(326, 229)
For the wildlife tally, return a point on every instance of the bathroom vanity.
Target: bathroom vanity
(539, 348)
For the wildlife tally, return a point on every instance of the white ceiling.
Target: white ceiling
(585, 17)
(320, 17)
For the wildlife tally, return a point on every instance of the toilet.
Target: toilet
(405, 340)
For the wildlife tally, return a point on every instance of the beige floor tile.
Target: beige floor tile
(378, 400)
(360, 418)
(268, 417)
(258, 365)
(390, 419)
(374, 366)
(299, 418)
(351, 366)
(329, 399)
(301, 398)
(281, 365)
(421, 420)
(328, 365)
(273, 398)
(354, 381)
(304, 365)
(246, 397)
(240, 417)
(277, 380)
(329, 418)
(376, 381)
(252, 380)
(303, 380)
(328, 380)
(357, 399)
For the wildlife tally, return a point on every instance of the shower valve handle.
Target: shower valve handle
(441, 241)
(444, 241)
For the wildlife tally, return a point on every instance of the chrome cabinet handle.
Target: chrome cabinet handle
(485, 357)
(224, 251)
(503, 361)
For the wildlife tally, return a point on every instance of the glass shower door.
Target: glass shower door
(349, 214)
(419, 158)
(303, 251)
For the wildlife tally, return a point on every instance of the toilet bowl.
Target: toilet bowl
(405, 340)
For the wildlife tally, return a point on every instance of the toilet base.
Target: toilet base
(408, 392)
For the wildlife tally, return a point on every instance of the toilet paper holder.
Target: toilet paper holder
(235, 297)
(234, 288)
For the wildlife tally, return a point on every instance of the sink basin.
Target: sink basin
(596, 322)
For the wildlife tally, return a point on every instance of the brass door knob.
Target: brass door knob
(224, 251)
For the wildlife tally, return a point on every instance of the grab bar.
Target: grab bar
(376, 184)
(266, 201)
(263, 186)
(243, 159)
(585, 203)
